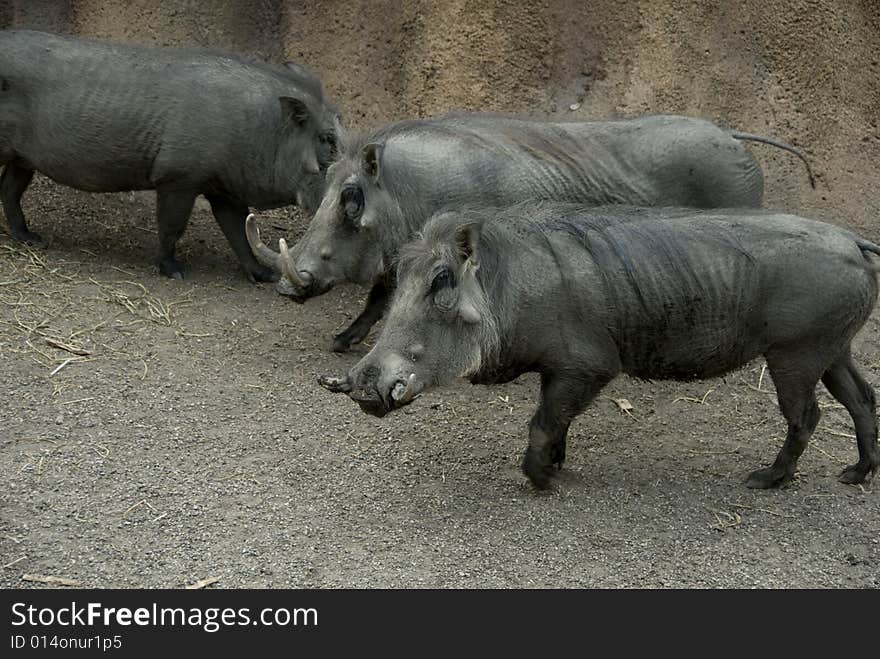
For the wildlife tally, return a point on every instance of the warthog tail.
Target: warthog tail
(868, 246)
(780, 145)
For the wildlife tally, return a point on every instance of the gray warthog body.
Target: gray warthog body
(386, 185)
(580, 295)
(106, 117)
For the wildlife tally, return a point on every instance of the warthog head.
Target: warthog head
(309, 144)
(344, 241)
(440, 325)
(312, 132)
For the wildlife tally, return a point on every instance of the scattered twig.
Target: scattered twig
(202, 583)
(691, 399)
(694, 452)
(838, 434)
(90, 330)
(819, 496)
(75, 350)
(46, 356)
(17, 560)
(623, 405)
(61, 581)
(731, 521)
(134, 506)
(62, 365)
(762, 510)
(828, 455)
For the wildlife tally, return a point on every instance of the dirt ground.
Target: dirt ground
(190, 439)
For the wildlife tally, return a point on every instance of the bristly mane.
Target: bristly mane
(354, 143)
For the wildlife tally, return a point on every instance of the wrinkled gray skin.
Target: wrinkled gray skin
(580, 295)
(106, 117)
(386, 185)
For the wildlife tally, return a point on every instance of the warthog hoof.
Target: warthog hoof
(352, 335)
(767, 478)
(537, 467)
(259, 272)
(29, 238)
(340, 344)
(859, 473)
(557, 453)
(171, 268)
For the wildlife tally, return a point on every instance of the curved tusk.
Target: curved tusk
(409, 390)
(263, 253)
(288, 269)
(334, 384)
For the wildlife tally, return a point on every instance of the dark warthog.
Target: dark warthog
(580, 295)
(105, 117)
(386, 185)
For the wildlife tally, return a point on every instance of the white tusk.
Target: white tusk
(404, 393)
(263, 253)
(288, 269)
(334, 384)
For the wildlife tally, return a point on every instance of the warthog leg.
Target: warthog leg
(377, 301)
(795, 374)
(847, 385)
(562, 399)
(173, 208)
(13, 183)
(230, 215)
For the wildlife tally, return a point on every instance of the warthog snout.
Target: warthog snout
(377, 390)
(295, 292)
(365, 394)
(298, 285)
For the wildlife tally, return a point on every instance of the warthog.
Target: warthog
(580, 295)
(105, 117)
(387, 184)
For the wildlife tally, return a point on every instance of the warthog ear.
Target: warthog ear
(305, 74)
(368, 217)
(371, 156)
(468, 310)
(467, 237)
(294, 110)
(469, 296)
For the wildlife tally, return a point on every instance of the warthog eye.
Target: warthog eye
(352, 202)
(443, 279)
(328, 142)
